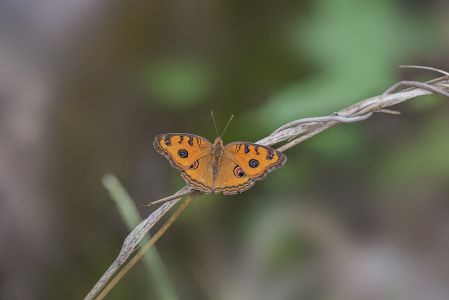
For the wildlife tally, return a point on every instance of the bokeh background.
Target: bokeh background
(358, 212)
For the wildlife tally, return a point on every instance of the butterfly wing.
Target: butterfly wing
(190, 154)
(245, 163)
(228, 180)
(199, 175)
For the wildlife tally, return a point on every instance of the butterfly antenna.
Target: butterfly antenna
(226, 127)
(215, 123)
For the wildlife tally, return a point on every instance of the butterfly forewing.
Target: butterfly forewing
(255, 160)
(181, 149)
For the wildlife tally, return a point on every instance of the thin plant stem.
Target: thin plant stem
(152, 261)
(144, 248)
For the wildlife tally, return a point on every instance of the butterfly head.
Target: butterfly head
(218, 142)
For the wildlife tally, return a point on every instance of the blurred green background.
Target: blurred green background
(358, 212)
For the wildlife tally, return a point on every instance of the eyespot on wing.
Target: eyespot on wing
(256, 160)
(181, 149)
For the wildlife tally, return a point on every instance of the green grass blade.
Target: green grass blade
(152, 261)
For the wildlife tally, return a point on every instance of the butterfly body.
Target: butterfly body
(217, 155)
(217, 168)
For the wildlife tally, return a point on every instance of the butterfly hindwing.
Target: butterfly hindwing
(230, 179)
(199, 175)
(182, 149)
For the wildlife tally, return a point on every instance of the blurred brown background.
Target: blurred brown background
(359, 212)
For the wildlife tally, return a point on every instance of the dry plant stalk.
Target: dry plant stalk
(292, 133)
(142, 251)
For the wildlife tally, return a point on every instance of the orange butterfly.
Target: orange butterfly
(215, 168)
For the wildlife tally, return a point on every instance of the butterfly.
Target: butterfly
(217, 168)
